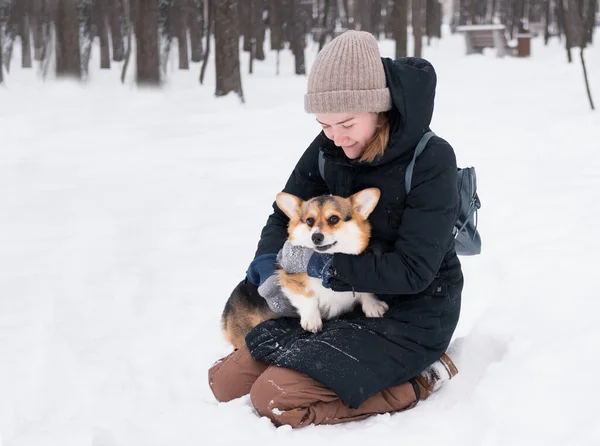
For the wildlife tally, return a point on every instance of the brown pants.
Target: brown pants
(289, 397)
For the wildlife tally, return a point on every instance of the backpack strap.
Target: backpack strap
(322, 165)
(411, 166)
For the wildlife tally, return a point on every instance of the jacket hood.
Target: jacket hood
(412, 82)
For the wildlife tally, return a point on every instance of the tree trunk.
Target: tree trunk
(227, 55)
(249, 38)
(85, 14)
(115, 17)
(400, 27)
(566, 28)
(417, 25)
(209, 11)
(326, 28)
(546, 21)
(196, 19)
(580, 20)
(433, 19)
(585, 77)
(104, 44)
(297, 38)
(364, 16)
(100, 21)
(244, 14)
(148, 58)
(180, 30)
(22, 17)
(66, 25)
(276, 22)
(166, 31)
(592, 7)
(349, 14)
(39, 24)
(1, 64)
(8, 26)
(128, 18)
(376, 18)
(258, 29)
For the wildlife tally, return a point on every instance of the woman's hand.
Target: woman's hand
(299, 259)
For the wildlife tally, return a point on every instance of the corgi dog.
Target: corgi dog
(327, 224)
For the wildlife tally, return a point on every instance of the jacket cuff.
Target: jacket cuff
(261, 268)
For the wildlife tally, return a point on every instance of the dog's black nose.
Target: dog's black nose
(317, 238)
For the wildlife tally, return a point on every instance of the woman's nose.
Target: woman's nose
(339, 140)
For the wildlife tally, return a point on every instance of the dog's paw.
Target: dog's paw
(312, 323)
(374, 307)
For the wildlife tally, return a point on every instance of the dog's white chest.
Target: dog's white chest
(333, 303)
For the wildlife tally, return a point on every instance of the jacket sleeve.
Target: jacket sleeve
(304, 182)
(424, 236)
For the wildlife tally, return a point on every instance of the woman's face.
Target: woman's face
(350, 131)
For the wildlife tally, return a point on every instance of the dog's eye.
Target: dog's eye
(310, 222)
(333, 220)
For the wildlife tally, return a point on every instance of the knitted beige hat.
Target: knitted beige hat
(347, 76)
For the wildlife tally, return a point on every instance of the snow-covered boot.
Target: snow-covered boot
(434, 376)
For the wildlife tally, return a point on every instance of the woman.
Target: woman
(373, 112)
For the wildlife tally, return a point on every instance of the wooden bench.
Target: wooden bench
(478, 37)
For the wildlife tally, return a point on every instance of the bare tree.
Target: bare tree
(179, 23)
(252, 28)
(565, 18)
(578, 8)
(86, 32)
(399, 18)
(208, 13)
(8, 29)
(590, 22)
(100, 22)
(1, 65)
(196, 23)
(276, 25)
(349, 9)
(417, 25)
(364, 15)
(327, 23)
(128, 14)
(39, 23)
(227, 55)
(67, 48)
(547, 16)
(165, 32)
(258, 29)
(433, 20)
(21, 19)
(146, 32)
(298, 20)
(116, 18)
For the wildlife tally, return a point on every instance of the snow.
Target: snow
(127, 216)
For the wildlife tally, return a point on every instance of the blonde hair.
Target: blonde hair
(379, 141)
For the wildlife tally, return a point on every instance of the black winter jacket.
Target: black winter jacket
(410, 263)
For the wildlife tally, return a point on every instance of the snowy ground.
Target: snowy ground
(126, 217)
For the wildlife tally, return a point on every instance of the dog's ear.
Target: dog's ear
(289, 204)
(364, 202)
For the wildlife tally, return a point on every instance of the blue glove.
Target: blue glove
(261, 269)
(319, 266)
(299, 259)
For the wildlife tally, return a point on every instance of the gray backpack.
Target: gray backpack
(466, 237)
